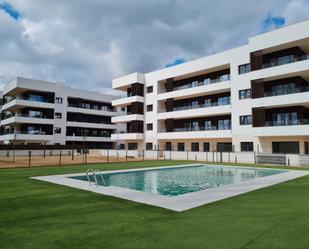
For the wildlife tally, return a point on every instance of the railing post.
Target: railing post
(29, 159)
(60, 154)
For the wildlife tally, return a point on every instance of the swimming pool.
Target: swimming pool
(178, 187)
(180, 180)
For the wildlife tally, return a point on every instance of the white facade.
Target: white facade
(35, 111)
(199, 101)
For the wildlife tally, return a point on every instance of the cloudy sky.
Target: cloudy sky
(87, 43)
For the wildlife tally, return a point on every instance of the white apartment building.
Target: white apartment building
(35, 111)
(253, 97)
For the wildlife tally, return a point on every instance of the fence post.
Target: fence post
(60, 158)
(170, 154)
(126, 155)
(85, 157)
(73, 151)
(213, 156)
(229, 156)
(254, 157)
(44, 149)
(107, 156)
(157, 154)
(143, 155)
(206, 156)
(29, 159)
(187, 155)
(221, 156)
(13, 152)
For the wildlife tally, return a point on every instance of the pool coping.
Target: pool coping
(180, 202)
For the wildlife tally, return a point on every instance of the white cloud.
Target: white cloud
(87, 45)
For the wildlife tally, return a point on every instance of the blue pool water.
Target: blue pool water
(181, 180)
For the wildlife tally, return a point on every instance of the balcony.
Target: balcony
(197, 133)
(197, 89)
(26, 102)
(127, 136)
(88, 138)
(209, 109)
(286, 91)
(85, 124)
(288, 128)
(100, 112)
(128, 118)
(282, 98)
(24, 118)
(127, 100)
(287, 122)
(285, 60)
(27, 136)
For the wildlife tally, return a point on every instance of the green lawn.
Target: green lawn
(39, 215)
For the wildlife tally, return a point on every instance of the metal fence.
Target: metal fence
(30, 156)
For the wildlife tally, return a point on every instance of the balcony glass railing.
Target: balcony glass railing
(203, 128)
(287, 122)
(26, 116)
(92, 107)
(210, 104)
(205, 82)
(285, 60)
(286, 91)
(41, 100)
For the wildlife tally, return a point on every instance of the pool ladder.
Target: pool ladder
(94, 173)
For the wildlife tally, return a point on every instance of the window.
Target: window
(149, 89)
(148, 146)
(224, 100)
(180, 146)
(286, 147)
(59, 100)
(149, 127)
(207, 125)
(246, 146)
(224, 124)
(149, 108)
(245, 94)
(35, 114)
(206, 147)
(57, 130)
(245, 68)
(132, 146)
(284, 118)
(123, 109)
(58, 115)
(195, 147)
(245, 120)
(224, 147)
(168, 146)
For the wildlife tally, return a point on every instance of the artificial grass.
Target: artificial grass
(36, 214)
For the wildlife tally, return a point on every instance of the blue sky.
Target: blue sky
(86, 48)
(5, 6)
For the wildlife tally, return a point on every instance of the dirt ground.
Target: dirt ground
(23, 161)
